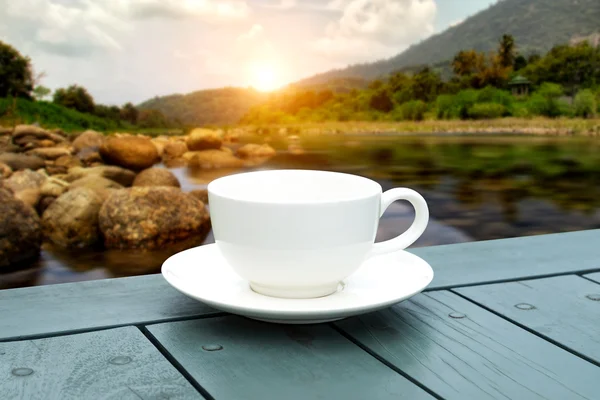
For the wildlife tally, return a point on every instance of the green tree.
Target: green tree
(467, 62)
(75, 97)
(426, 85)
(520, 63)
(381, 101)
(40, 92)
(585, 104)
(16, 77)
(507, 51)
(129, 113)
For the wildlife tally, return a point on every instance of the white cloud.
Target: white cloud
(281, 4)
(376, 28)
(224, 9)
(254, 32)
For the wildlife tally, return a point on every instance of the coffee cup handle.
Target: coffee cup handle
(416, 229)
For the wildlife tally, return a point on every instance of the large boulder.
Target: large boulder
(173, 150)
(50, 153)
(204, 139)
(252, 150)
(213, 159)
(151, 217)
(131, 152)
(88, 139)
(200, 194)
(156, 177)
(20, 231)
(71, 221)
(120, 175)
(31, 137)
(102, 186)
(5, 171)
(18, 161)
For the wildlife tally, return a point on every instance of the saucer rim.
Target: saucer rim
(298, 314)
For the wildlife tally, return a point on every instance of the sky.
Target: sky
(131, 50)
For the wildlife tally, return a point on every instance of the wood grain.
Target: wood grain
(73, 307)
(512, 259)
(266, 361)
(460, 351)
(564, 309)
(112, 364)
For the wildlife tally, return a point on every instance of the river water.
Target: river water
(478, 187)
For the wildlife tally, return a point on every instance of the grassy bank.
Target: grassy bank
(533, 126)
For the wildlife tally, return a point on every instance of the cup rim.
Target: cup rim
(214, 189)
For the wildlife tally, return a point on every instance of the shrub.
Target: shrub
(413, 110)
(491, 94)
(487, 111)
(585, 104)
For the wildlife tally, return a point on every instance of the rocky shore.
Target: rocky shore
(90, 190)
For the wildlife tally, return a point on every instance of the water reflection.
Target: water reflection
(478, 188)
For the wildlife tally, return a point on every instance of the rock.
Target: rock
(44, 203)
(50, 153)
(88, 140)
(53, 187)
(160, 145)
(203, 139)
(156, 177)
(22, 180)
(22, 161)
(89, 156)
(120, 175)
(63, 164)
(5, 170)
(200, 194)
(151, 217)
(102, 186)
(29, 136)
(131, 152)
(20, 231)
(255, 151)
(31, 197)
(71, 220)
(176, 163)
(174, 150)
(4, 131)
(213, 159)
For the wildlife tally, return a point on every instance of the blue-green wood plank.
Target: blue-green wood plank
(565, 309)
(111, 364)
(594, 277)
(512, 259)
(266, 361)
(461, 351)
(72, 307)
(46, 310)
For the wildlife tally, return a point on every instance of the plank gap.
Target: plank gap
(516, 279)
(175, 363)
(107, 327)
(384, 362)
(541, 336)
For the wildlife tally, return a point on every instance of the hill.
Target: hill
(537, 25)
(206, 107)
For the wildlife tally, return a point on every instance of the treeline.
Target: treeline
(23, 97)
(563, 82)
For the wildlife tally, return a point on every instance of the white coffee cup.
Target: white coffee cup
(299, 233)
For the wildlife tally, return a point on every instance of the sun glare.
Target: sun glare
(265, 77)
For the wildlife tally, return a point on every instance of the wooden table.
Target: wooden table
(507, 319)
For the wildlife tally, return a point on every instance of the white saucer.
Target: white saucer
(202, 273)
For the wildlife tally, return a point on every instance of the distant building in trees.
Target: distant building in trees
(520, 86)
